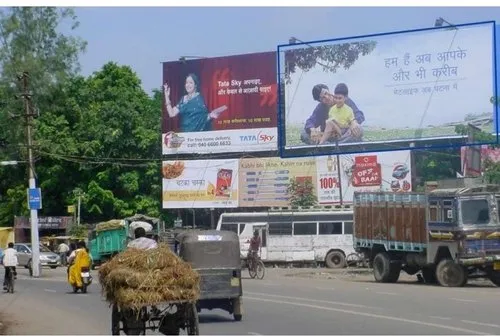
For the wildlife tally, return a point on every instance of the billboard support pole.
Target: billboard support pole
(339, 173)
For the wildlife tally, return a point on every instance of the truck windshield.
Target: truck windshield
(475, 212)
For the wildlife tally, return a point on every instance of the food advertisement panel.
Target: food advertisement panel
(384, 91)
(200, 184)
(264, 182)
(220, 105)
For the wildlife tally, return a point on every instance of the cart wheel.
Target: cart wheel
(193, 327)
(115, 320)
(260, 270)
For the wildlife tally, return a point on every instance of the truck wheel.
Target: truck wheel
(384, 270)
(451, 274)
(495, 278)
(335, 259)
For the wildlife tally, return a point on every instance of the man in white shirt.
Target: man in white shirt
(141, 241)
(9, 262)
(63, 250)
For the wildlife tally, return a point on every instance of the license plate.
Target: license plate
(235, 282)
(496, 266)
(85, 275)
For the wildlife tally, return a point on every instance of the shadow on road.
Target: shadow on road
(212, 318)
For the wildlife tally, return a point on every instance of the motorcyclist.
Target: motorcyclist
(254, 247)
(9, 261)
(78, 259)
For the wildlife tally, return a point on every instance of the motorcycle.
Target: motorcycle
(86, 280)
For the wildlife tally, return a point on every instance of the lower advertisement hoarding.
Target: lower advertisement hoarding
(264, 182)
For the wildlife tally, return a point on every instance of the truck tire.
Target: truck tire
(495, 278)
(384, 270)
(335, 259)
(451, 274)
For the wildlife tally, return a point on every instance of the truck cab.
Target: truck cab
(464, 232)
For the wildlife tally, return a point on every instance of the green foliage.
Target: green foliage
(330, 57)
(94, 136)
(302, 193)
(78, 231)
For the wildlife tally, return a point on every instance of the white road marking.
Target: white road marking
(384, 317)
(440, 318)
(463, 300)
(310, 300)
(254, 333)
(50, 290)
(481, 324)
(386, 293)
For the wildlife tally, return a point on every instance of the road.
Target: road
(279, 304)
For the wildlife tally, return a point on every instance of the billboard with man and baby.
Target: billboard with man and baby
(383, 92)
(220, 105)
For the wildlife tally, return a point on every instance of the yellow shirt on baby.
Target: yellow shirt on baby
(342, 115)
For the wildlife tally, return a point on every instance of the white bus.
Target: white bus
(291, 236)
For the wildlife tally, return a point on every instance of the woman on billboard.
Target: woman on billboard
(191, 109)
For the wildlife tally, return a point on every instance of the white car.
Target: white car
(47, 257)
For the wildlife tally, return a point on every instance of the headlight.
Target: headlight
(43, 257)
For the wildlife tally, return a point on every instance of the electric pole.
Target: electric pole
(35, 240)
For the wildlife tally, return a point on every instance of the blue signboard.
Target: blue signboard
(35, 199)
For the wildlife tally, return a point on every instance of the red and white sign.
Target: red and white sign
(367, 171)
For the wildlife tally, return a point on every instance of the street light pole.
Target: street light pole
(35, 239)
(79, 204)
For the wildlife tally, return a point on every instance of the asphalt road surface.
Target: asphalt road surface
(279, 304)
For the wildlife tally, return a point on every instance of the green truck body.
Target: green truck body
(110, 238)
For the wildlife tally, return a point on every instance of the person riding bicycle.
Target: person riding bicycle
(9, 262)
(254, 248)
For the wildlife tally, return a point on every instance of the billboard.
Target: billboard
(383, 92)
(263, 182)
(220, 105)
(200, 184)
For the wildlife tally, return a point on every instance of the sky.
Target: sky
(144, 37)
(372, 85)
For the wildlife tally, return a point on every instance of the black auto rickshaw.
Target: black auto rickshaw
(215, 255)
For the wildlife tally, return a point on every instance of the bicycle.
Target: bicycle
(10, 279)
(256, 267)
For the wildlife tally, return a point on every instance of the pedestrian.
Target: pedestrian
(63, 250)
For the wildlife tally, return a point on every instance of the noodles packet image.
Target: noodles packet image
(223, 184)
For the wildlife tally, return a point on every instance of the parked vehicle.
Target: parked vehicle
(449, 235)
(289, 235)
(215, 255)
(47, 257)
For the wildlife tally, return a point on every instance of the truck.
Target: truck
(110, 238)
(445, 236)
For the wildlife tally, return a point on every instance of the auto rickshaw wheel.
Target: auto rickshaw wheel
(193, 323)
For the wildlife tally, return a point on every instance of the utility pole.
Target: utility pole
(35, 239)
(79, 204)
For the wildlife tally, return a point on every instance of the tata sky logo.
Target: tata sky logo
(261, 137)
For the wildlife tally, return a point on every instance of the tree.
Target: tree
(301, 193)
(31, 41)
(330, 57)
(434, 165)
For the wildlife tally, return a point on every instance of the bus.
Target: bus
(298, 235)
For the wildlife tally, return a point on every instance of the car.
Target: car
(47, 257)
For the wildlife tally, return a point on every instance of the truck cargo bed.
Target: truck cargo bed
(395, 220)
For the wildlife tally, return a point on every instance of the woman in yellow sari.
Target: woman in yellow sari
(78, 259)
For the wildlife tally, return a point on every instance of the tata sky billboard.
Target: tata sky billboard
(383, 92)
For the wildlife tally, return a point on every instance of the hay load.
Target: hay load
(138, 278)
(110, 225)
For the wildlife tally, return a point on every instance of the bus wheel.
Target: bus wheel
(335, 259)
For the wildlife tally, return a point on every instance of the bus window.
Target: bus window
(229, 227)
(348, 228)
(242, 227)
(277, 229)
(303, 229)
(334, 228)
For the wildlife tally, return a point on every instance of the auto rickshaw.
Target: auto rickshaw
(215, 255)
